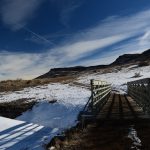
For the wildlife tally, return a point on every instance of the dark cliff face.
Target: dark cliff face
(71, 71)
(59, 72)
(146, 53)
(121, 60)
(132, 58)
(126, 58)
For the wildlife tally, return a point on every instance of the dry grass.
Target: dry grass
(19, 84)
(143, 64)
(111, 135)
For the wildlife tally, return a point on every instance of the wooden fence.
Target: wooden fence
(100, 91)
(139, 90)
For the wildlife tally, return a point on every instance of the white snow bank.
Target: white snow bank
(60, 92)
(136, 142)
(120, 78)
(57, 115)
(53, 118)
(20, 135)
(62, 114)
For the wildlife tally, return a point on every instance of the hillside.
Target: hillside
(142, 59)
(133, 58)
(57, 105)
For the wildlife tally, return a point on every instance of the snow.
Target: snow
(57, 115)
(47, 119)
(57, 91)
(17, 135)
(53, 118)
(120, 78)
(136, 142)
(65, 92)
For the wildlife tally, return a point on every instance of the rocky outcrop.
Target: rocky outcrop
(133, 58)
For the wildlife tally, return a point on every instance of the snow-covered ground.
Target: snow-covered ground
(63, 93)
(20, 135)
(50, 116)
(118, 79)
(53, 118)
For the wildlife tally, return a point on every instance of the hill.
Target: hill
(142, 59)
(133, 58)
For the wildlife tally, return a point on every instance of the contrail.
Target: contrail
(38, 36)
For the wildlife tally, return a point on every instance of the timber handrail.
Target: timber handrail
(100, 91)
(139, 90)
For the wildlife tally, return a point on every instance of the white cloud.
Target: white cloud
(145, 39)
(67, 10)
(67, 7)
(15, 65)
(80, 49)
(127, 35)
(16, 13)
(110, 31)
(36, 38)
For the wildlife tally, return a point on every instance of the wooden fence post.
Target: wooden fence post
(92, 84)
(99, 96)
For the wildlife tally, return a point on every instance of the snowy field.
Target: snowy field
(20, 135)
(52, 118)
(119, 78)
(48, 119)
(60, 92)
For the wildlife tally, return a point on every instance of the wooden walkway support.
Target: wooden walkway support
(139, 90)
(119, 120)
(121, 124)
(102, 99)
(121, 107)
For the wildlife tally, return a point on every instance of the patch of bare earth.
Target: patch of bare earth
(15, 108)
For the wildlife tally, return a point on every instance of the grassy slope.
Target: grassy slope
(15, 85)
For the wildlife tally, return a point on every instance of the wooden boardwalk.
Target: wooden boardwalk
(120, 125)
(121, 107)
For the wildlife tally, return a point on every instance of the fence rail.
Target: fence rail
(100, 91)
(99, 94)
(139, 90)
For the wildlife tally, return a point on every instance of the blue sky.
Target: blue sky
(37, 35)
